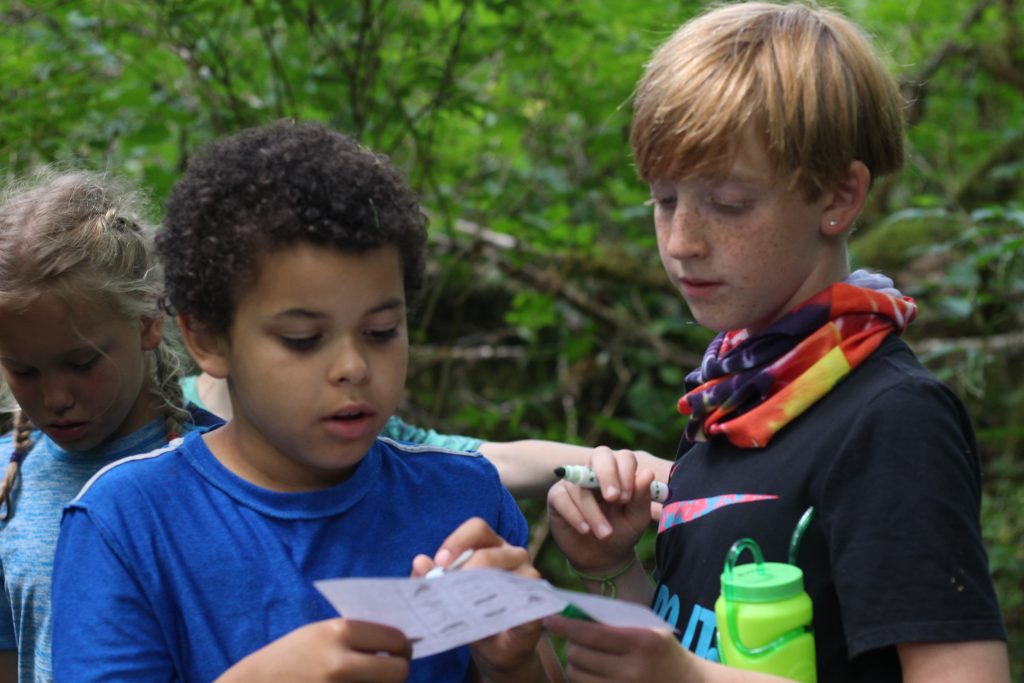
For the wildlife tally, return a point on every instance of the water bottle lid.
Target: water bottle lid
(763, 582)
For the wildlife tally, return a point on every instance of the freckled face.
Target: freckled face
(79, 372)
(742, 249)
(315, 361)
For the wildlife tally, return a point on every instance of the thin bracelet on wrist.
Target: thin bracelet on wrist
(607, 585)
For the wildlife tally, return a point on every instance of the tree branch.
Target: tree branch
(914, 85)
(551, 279)
(282, 87)
(1010, 344)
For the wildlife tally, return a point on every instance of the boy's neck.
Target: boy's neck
(231, 448)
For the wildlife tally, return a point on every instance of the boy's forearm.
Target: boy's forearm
(527, 466)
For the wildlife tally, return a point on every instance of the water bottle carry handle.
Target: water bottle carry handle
(730, 606)
(734, 554)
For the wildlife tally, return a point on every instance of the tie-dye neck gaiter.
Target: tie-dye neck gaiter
(749, 386)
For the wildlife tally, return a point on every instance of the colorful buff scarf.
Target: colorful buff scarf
(749, 386)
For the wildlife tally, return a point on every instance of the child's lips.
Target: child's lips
(66, 431)
(351, 411)
(350, 423)
(696, 288)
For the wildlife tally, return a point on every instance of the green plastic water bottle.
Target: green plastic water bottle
(764, 617)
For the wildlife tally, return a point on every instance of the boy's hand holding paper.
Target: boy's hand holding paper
(464, 606)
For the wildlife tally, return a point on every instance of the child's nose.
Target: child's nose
(349, 363)
(57, 395)
(686, 239)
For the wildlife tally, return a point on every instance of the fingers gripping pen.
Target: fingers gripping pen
(581, 475)
(457, 563)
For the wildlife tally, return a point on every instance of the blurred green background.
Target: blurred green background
(547, 313)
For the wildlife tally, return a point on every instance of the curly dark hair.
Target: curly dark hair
(276, 186)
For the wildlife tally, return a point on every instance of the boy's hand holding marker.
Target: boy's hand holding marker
(617, 474)
(599, 531)
(581, 475)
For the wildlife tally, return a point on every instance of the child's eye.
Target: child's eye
(301, 343)
(728, 205)
(382, 335)
(84, 366)
(19, 371)
(665, 202)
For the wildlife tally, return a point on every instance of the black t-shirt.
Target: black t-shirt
(894, 551)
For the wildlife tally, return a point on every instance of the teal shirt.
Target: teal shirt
(396, 428)
(50, 477)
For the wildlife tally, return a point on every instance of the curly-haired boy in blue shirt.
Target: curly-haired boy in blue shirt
(291, 256)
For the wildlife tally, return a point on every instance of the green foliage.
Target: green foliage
(895, 241)
(978, 289)
(547, 314)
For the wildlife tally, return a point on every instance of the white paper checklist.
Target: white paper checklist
(461, 607)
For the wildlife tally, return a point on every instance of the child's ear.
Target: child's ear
(152, 332)
(207, 348)
(848, 196)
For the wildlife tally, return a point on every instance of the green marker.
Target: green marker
(573, 612)
(581, 475)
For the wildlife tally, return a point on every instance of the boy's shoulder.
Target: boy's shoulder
(143, 471)
(891, 388)
(892, 364)
(438, 468)
(431, 457)
(452, 485)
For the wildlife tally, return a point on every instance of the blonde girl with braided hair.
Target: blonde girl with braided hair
(85, 369)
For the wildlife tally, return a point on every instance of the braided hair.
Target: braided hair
(81, 236)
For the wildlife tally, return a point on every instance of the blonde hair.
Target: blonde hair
(807, 78)
(82, 236)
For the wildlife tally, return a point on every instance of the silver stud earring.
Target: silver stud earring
(833, 222)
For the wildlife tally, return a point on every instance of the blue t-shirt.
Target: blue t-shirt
(170, 567)
(395, 428)
(50, 477)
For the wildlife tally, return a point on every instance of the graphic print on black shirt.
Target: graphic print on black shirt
(699, 634)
